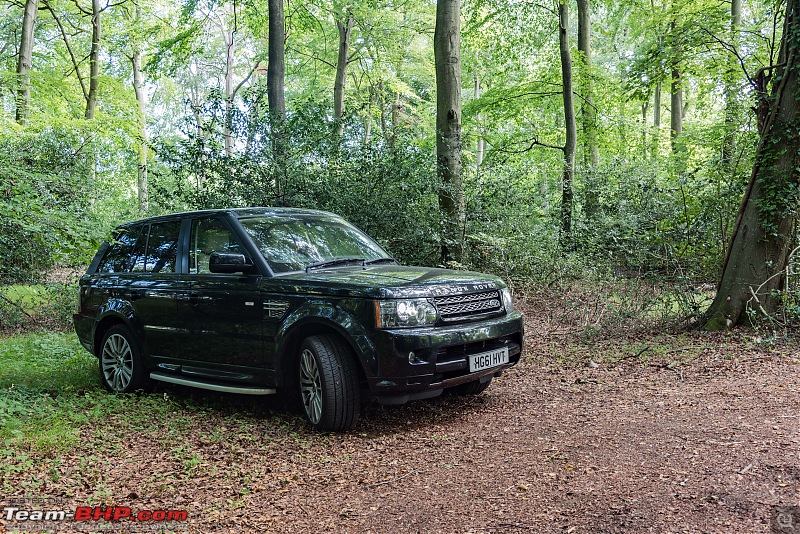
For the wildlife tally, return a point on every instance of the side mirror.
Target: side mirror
(227, 263)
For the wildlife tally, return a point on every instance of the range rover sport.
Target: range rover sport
(266, 300)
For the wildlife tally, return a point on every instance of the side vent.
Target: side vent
(274, 309)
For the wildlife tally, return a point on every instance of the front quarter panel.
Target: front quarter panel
(345, 316)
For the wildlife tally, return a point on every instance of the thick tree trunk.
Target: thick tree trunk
(141, 99)
(275, 90)
(588, 112)
(447, 54)
(569, 122)
(340, 82)
(25, 59)
(760, 245)
(94, 61)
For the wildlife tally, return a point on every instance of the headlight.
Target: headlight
(404, 313)
(508, 304)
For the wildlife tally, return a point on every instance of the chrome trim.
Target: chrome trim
(212, 387)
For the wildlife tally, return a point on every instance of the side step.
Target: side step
(213, 387)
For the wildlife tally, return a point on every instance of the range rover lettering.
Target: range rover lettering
(266, 300)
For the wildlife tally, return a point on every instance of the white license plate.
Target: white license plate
(487, 360)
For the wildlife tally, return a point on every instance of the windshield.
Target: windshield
(291, 243)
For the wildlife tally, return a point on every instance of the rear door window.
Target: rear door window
(120, 257)
(162, 248)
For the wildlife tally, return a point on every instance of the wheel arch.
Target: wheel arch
(103, 326)
(293, 338)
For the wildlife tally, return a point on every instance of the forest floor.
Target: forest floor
(643, 431)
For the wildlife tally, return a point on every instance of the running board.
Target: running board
(213, 387)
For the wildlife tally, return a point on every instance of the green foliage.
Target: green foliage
(47, 306)
(386, 191)
(45, 184)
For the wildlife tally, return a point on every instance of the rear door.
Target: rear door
(155, 282)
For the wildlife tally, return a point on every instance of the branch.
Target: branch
(69, 49)
(533, 143)
(314, 57)
(244, 81)
(17, 306)
(84, 11)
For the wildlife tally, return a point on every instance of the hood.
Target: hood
(386, 281)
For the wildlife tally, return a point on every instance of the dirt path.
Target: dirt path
(696, 434)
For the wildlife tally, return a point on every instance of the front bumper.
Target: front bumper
(440, 357)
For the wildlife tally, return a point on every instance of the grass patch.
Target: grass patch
(47, 384)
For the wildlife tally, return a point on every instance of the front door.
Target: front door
(225, 311)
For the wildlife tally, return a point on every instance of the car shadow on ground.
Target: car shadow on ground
(375, 420)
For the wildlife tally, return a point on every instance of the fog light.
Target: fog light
(412, 358)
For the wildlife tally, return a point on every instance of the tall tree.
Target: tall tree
(94, 60)
(588, 112)
(569, 122)
(276, 68)
(676, 91)
(344, 28)
(447, 56)
(731, 90)
(25, 59)
(760, 246)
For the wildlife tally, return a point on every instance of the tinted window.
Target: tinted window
(162, 247)
(137, 258)
(118, 258)
(208, 236)
(291, 243)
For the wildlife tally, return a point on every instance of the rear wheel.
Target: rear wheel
(121, 368)
(329, 388)
(472, 388)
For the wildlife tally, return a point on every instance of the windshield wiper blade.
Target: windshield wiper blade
(380, 260)
(333, 262)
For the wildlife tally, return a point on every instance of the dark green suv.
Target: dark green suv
(258, 300)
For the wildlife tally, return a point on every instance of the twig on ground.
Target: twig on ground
(395, 479)
(635, 355)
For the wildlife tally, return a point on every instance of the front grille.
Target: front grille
(461, 307)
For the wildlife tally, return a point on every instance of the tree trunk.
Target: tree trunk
(447, 55)
(480, 145)
(341, 72)
(230, 49)
(275, 90)
(569, 122)
(759, 250)
(657, 107)
(25, 59)
(676, 99)
(731, 91)
(588, 111)
(94, 61)
(141, 99)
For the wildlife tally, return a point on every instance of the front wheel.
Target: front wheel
(329, 387)
(121, 368)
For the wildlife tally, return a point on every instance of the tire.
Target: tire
(329, 383)
(472, 388)
(120, 361)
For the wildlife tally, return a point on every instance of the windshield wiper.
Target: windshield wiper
(333, 262)
(380, 260)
